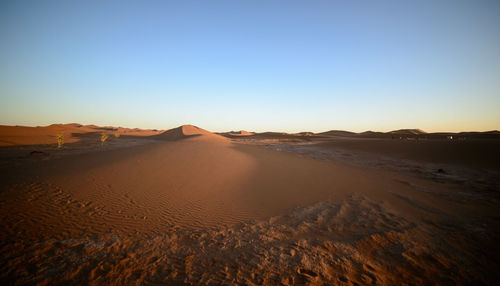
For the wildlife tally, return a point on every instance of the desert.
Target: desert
(249, 142)
(188, 206)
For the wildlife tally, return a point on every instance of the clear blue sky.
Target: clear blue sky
(254, 65)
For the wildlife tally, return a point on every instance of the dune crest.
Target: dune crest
(186, 131)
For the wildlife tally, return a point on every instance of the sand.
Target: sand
(72, 133)
(188, 206)
(238, 133)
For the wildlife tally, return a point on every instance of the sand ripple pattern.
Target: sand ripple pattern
(351, 242)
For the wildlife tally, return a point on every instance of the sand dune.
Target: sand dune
(240, 133)
(413, 134)
(20, 135)
(197, 182)
(189, 206)
(185, 131)
(408, 131)
(337, 133)
(23, 135)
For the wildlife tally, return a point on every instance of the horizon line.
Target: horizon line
(161, 129)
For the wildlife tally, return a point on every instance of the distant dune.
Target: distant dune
(411, 133)
(337, 133)
(408, 132)
(74, 132)
(238, 133)
(24, 135)
(306, 133)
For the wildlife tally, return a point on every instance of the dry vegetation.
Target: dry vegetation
(60, 140)
(104, 137)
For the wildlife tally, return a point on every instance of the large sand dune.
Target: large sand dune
(186, 131)
(190, 206)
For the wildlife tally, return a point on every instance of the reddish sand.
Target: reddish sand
(188, 206)
(22, 135)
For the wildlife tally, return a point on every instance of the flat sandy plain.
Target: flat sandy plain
(187, 206)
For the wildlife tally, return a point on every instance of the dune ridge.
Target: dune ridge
(186, 131)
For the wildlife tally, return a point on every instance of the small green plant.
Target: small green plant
(117, 135)
(60, 140)
(104, 137)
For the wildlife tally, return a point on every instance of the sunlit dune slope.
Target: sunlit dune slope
(186, 131)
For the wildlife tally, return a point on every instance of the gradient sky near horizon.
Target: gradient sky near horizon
(254, 65)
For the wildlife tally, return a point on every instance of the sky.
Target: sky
(286, 66)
